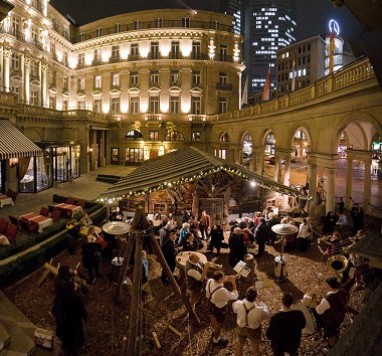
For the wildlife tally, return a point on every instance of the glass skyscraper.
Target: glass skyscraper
(267, 25)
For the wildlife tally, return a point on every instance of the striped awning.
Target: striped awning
(182, 166)
(13, 144)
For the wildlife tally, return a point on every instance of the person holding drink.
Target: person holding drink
(219, 296)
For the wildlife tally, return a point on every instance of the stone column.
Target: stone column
(349, 182)
(26, 89)
(93, 150)
(258, 156)
(331, 190)
(44, 83)
(287, 172)
(312, 179)
(367, 186)
(277, 169)
(238, 155)
(7, 68)
(102, 149)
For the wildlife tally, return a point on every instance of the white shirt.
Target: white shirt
(222, 295)
(342, 220)
(194, 273)
(255, 316)
(303, 231)
(324, 304)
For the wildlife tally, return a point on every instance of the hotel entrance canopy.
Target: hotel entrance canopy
(13, 144)
(182, 166)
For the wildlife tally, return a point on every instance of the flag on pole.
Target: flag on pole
(293, 86)
(244, 97)
(267, 87)
(331, 53)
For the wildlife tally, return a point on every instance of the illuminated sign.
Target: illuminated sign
(334, 27)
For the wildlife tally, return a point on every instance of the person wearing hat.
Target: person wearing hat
(196, 272)
(330, 313)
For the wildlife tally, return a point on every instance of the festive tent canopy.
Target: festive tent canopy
(182, 166)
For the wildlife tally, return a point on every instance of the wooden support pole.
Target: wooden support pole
(128, 248)
(134, 337)
(172, 280)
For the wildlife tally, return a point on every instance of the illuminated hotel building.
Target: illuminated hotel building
(118, 90)
(267, 27)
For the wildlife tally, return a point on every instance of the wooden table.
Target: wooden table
(5, 200)
(41, 220)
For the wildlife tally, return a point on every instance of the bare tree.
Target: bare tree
(214, 185)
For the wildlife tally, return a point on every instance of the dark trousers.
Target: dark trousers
(261, 249)
(203, 231)
(93, 271)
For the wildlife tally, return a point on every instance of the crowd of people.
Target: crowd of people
(250, 234)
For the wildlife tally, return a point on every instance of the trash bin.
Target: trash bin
(116, 264)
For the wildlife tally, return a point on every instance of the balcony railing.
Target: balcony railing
(150, 25)
(21, 37)
(226, 86)
(345, 77)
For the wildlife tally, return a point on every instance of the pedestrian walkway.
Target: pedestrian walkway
(85, 187)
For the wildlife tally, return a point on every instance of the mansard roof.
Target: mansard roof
(85, 11)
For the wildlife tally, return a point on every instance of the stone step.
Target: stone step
(5, 338)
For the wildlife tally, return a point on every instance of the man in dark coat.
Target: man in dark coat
(169, 253)
(330, 313)
(91, 257)
(261, 236)
(285, 328)
(69, 312)
(237, 249)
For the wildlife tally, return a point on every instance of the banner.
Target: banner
(267, 87)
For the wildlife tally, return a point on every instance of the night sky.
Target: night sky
(312, 15)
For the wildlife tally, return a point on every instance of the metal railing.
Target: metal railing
(345, 77)
(148, 25)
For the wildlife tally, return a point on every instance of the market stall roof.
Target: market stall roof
(13, 144)
(182, 166)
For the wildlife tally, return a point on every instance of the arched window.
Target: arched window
(133, 135)
(174, 136)
(224, 137)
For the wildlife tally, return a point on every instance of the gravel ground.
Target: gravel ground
(108, 322)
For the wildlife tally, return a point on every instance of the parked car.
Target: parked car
(272, 160)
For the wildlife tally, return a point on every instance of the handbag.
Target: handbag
(43, 338)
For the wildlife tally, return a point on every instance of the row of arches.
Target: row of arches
(349, 148)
